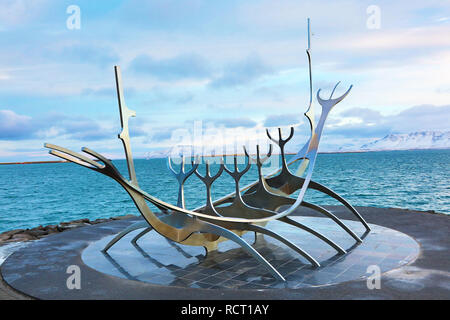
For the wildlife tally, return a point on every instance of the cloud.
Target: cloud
(4, 76)
(282, 120)
(274, 93)
(14, 126)
(45, 65)
(85, 129)
(16, 12)
(100, 92)
(184, 66)
(364, 122)
(365, 114)
(234, 122)
(174, 16)
(20, 127)
(443, 89)
(411, 38)
(88, 53)
(242, 72)
(423, 117)
(359, 130)
(110, 92)
(72, 127)
(159, 94)
(162, 135)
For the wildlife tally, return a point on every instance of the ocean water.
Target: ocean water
(43, 194)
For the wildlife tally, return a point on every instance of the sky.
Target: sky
(226, 69)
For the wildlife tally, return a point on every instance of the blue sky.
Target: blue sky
(235, 65)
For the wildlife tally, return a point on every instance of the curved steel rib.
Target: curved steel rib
(259, 229)
(282, 178)
(240, 208)
(208, 227)
(333, 217)
(192, 228)
(179, 228)
(313, 232)
(194, 225)
(287, 183)
(181, 177)
(124, 135)
(208, 180)
(141, 234)
(123, 233)
(264, 197)
(319, 187)
(311, 153)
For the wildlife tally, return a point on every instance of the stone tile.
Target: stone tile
(208, 271)
(226, 274)
(253, 285)
(180, 282)
(196, 276)
(179, 273)
(199, 284)
(158, 279)
(296, 277)
(159, 262)
(214, 280)
(290, 267)
(233, 284)
(265, 281)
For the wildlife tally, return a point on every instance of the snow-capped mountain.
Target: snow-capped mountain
(406, 141)
(414, 140)
(157, 154)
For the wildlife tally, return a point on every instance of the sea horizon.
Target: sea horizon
(46, 194)
(226, 155)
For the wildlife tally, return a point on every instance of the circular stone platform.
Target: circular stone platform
(159, 261)
(159, 269)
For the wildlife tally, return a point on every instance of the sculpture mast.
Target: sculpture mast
(310, 112)
(124, 135)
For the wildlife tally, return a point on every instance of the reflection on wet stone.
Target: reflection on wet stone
(158, 261)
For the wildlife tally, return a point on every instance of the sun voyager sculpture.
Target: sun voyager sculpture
(247, 209)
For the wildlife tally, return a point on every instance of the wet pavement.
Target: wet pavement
(158, 269)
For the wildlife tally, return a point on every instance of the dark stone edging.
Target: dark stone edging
(19, 235)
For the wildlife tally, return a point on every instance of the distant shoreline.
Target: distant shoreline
(33, 162)
(287, 153)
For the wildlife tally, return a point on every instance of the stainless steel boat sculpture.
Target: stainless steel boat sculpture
(246, 209)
